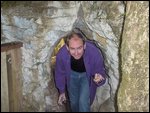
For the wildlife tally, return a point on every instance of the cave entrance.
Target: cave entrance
(104, 99)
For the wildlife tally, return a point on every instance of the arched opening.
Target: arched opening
(104, 94)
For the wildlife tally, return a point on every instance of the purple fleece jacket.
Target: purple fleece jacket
(93, 62)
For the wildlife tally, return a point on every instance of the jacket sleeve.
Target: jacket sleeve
(60, 75)
(99, 66)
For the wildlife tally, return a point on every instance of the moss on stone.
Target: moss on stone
(10, 4)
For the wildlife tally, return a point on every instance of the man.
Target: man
(80, 70)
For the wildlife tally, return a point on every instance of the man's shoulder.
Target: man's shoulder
(92, 48)
(62, 51)
(91, 45)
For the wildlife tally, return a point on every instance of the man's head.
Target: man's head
(75, 44)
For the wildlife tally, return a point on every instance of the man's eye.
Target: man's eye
(80, 47)
(72, 49)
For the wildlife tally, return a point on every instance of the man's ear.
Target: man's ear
(84, 46)
(67, 47)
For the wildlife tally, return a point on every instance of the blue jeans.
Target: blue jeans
(78, 91)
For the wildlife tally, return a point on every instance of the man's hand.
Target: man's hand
(98, 78)
(61, 99)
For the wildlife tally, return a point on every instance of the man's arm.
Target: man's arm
(99, 71)
(60, 75)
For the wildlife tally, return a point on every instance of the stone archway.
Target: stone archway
(105, 96)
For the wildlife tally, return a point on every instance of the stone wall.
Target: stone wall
(41, 24)
(133, 92)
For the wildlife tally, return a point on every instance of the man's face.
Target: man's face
(76, 47)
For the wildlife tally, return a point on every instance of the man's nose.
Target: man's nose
(76, 52)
